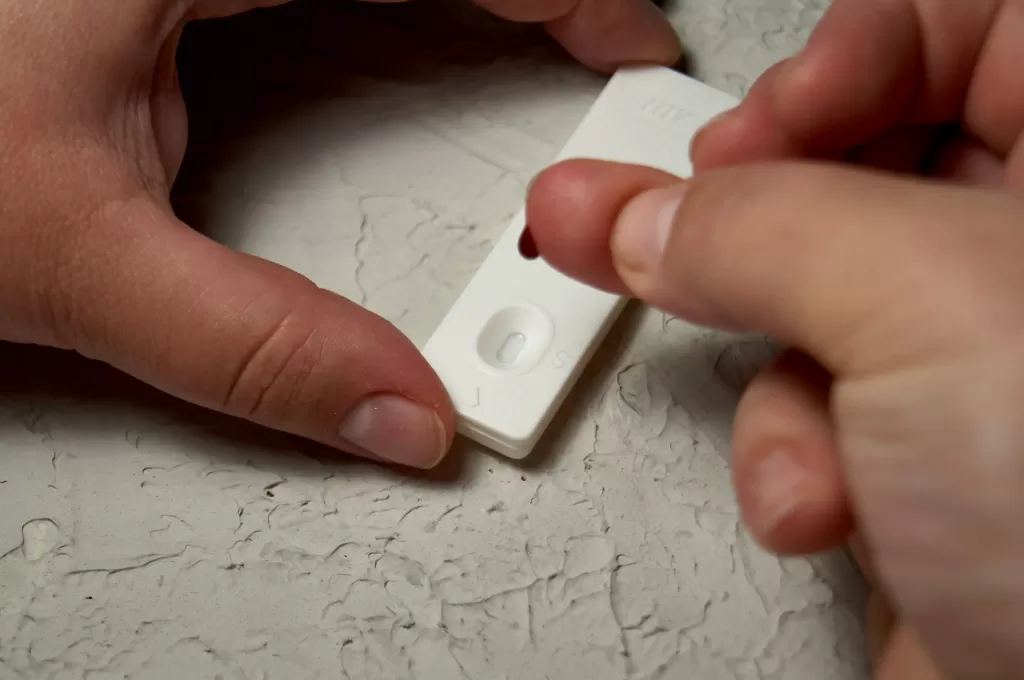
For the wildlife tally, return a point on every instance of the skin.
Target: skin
(93, 128)
(881, 245)
(863, 205)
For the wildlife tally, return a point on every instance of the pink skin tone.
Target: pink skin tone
(95, 261)
(863, 204)
(833, 209)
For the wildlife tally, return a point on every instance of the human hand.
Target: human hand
(92, 133)
(896, 276)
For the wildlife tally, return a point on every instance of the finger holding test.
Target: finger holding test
(784, 463)
(744, 249)
(233, 333)
(872, 64)
(136, 288)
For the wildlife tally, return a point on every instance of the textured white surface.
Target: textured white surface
(144, 539)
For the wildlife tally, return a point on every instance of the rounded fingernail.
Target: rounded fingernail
(644, 228)
(778, 489)
(396, 429)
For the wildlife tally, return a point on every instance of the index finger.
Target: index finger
(871, 64)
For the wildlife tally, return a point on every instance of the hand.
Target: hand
(864, 206)
(92, 132)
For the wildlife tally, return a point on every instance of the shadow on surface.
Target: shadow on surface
(609, 354)
(245, 74)
(104, 404)
(705, 377)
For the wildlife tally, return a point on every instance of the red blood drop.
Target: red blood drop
(527, 246)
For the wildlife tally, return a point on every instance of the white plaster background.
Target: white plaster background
(144, 539)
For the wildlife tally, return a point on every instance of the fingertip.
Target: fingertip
(743, 135)
(788, 476)
(390, 404)
(791, 508)
(398, 430)
(701, 155)
(748, 133)
(856, 75)
(793, 92)
(572, 207)
(254, 340)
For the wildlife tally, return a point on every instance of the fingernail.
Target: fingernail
(644, 228)
(396, 429)
(778, 489)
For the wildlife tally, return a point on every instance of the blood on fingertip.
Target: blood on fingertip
(527, 246)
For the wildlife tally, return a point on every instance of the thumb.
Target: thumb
(241, 335)
(855, 268)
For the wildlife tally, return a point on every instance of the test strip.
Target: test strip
(516, 340)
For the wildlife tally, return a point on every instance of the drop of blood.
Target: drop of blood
(527, 246)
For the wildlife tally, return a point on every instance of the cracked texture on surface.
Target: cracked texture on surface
(144, 539)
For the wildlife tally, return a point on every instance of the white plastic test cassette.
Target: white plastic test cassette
(518, 337)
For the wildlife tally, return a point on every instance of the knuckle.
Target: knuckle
(732, 206)
(278, 373)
